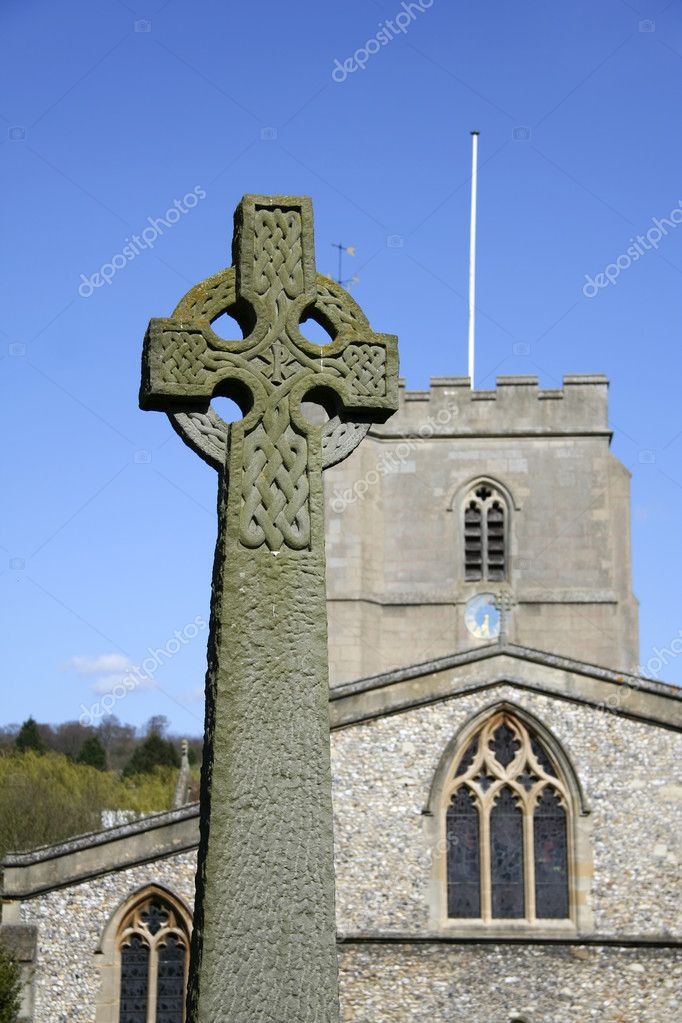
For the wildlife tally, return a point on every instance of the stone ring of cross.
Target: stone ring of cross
(270, 292)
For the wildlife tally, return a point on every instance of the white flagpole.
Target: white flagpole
(472, 253)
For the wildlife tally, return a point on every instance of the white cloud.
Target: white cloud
(100, 663)
(109, 671)
(196, 695)
(106, 683)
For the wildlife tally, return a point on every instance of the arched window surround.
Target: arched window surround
(580, 865)
(457, 502)
(107, 1007)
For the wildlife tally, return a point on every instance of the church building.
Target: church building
(507, 793)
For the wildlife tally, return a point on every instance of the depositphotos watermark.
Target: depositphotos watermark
(393, 460)
(388, 31)
(648, 671)
(641, 243)
(138, 242)
(143, 673)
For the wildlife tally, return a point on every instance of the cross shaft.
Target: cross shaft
(264, 942)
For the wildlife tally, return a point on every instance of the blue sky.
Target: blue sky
(111, 112)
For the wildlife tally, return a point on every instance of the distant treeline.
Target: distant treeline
(111, 745)
(69, 774)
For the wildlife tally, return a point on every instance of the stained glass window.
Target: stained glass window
(505, 744)
(527, 779)
(170, 981)
(464, 856)
(506, 791)
(551, 857)
(134, 980)
(468, 758)
(506, 857)
(484, 779)
(540, 754)
(155, 917)
(153, 954)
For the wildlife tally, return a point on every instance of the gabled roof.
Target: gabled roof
(620, 693)
(170, 832)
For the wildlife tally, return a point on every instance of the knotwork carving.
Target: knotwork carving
(206, 432)
(179, 361)
(367, 364)
(270, 370)
(279, 254)
(338, 306)
(275, 485)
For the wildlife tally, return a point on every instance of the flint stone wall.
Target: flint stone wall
(383, 771)
(71, 923)
(500, 984)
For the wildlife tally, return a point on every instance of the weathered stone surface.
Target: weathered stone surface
(263, 945)
(397, 590)
(500, 984)
(383, 772)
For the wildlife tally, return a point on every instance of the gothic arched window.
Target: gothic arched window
(485, 534)
(153, 951)
(507, 815)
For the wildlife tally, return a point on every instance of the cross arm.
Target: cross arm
(366, 371)
(180, 364)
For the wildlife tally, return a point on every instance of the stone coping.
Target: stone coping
(510, 380)
(22, 939)
(620, 678)
(522, 668)
(104, 836)
(510, 938)
(29, 874)
(458, 596)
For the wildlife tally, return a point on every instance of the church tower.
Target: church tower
(476, 517)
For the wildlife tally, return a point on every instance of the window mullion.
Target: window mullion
(484, 540)
(486, 887)
(151, 987)
(529, 859)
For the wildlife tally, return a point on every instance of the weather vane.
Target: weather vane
(350, 251)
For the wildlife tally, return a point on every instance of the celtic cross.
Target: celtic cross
(264, 941)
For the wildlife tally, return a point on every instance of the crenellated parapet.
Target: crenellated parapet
(517, 406)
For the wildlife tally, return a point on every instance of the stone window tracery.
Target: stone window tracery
(507, 836)
(485, 534)
(153, 952)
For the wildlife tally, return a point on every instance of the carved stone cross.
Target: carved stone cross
(264, 942)
(505, 604)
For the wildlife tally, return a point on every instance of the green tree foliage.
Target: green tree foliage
(145, 793)
(29, 738)
(93, 753)
(10, 987)
(67, 799)
(155, 751)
